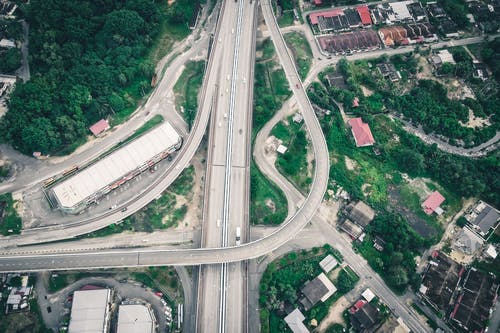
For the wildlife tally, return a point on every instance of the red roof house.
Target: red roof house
(364, 14)
(361, 132)
(99, 127)
(329, 13)
(432, 203)
(318, 2)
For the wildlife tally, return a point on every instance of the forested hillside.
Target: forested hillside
(89, 60)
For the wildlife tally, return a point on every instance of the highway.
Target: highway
(226, 207)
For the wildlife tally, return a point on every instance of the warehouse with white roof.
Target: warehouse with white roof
(135, 318)
(90, 311)
(91, 183)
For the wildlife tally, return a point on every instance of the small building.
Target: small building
(7, 43)
(480, 71)
(440, 280)
(435, 10)
(417, 11)
(361, 132)
(298, 118)
(294, 320)
(328, 263)
(90, 311)
(365, 317)
(319, 289)
(388, 70)
(468, 241)
(483, 218)
(448, 28)
(400, 10)
(491, 251)
(360, 213)
(100, 127)
(442, 57)
(368, 295)
(432, 203)
(135, 318)
(364, 14)
(352, 229)
(281, 149)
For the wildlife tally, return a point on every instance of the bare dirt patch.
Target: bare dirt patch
(367, 92)
(476, 122)
(193, 200)
(351, 165)
(334, 314)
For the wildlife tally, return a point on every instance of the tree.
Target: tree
(10, 60)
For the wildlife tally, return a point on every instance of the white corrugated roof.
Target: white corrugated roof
(294, 322)
(328, 263)
(88, 313)
(134, 318)
(113, 167)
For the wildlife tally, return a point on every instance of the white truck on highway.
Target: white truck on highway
(238, 236)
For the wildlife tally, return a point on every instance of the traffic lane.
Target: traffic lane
(236, 305)
(209, 298)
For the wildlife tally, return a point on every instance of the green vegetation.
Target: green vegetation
(346, 280)
(10, 60)
(267, 201)
(270, 89)
(186, 90)
(10, 222)
(459, 175)
(61, 280)
(183, 185)
(268, 204)
(490, 54)
(301, 50)
(90, 60)
(30, 321)
(287, 17)
(4, 171)
(293, 163)
(148, 125)
(162, 213)
(164, 279)
(457, 9)
(335, 328)
(283, 280)
(395, 263)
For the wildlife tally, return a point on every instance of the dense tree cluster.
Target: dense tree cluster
(87, 62)
(457, 9)
(401, 245)
(10, 60)
(491, 56)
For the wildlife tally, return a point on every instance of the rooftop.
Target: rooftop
(365, 318)
(440, 281)
(472, 307)
(361, 213)
(327, 13)
(467, 241)
(328, 263)
(364, 14)
(351, 228)
(319, 289)
(483, 217)
(294, 320)
(99, 127)
(361, 132)
(432, 202)
(89, 311)
(135, 318)
(116, 166)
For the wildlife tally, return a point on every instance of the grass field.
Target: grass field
(10, 222)
(293, 163)
(268, 203)
(186, 90)
(301, 51)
